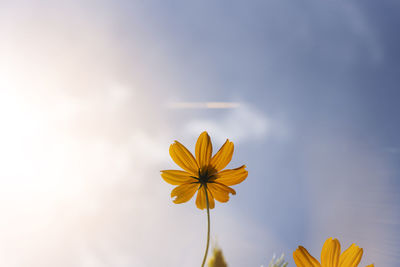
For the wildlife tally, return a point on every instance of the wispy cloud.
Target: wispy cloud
(201, 105)
(241, 124)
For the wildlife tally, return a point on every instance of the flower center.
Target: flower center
(206, 174)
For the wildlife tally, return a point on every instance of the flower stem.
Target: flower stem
(208, 230)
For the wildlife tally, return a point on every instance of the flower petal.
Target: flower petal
(201, 201)
(303, 259)
(203, 149)
(176, 177)
(330, 253)
(232, 177)
(371, 265)
(351, 256)
(184, 192)
(223, 156)
(220, 191)
(210, 199)
(183, 158)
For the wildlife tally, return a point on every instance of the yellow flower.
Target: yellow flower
(330, 256)
(203, 171)
(217, 259)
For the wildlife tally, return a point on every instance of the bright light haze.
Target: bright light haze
(92, 93)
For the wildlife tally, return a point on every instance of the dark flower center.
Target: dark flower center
(207, 174)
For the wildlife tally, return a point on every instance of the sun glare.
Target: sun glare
(30, 154)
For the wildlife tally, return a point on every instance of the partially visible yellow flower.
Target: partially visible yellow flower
(203, 171)
(217, 259)
(330, 256)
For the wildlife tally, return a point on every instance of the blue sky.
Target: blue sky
(85, 94)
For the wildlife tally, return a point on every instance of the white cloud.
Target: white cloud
(240, 124)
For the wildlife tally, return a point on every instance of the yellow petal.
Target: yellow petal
(371, 265)
(183, 158)
(184, 192)
(303, 259)
(203, 149)
(223, 156)
(210, 199)
(330, 253)
(176, 177)
(201, 201)
(351, 256)
(220, 192)
(232, 177)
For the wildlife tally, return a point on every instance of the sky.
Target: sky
(92, 93)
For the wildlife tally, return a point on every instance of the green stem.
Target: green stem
(208, 230)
